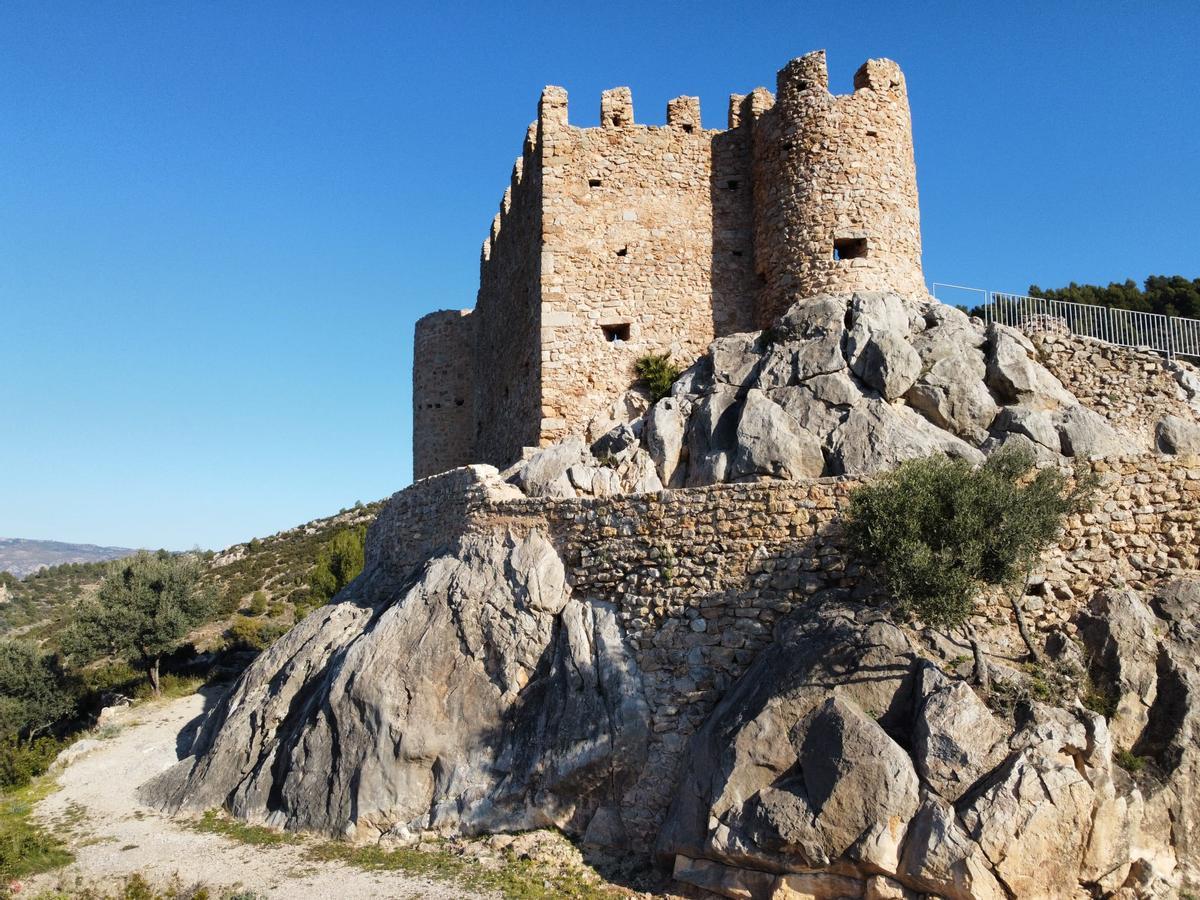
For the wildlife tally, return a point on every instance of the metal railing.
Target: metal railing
(1170, 335)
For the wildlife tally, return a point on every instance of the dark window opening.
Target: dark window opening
(737, 252)
(688, 128)
(871, 132)
(458, 402)
(593, 182)
(623, 251)
(849, 248)
(615, 333)
(732, 185)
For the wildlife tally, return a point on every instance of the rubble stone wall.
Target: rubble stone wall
(1133, 389)
(700, 576)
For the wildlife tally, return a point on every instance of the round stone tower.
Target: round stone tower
(835, 187)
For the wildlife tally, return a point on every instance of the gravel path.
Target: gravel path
(113, 835)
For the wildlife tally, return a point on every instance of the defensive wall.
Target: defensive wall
(699, 576)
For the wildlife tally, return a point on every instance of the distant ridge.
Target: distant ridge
(23, 557)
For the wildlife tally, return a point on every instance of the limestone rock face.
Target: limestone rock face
(949, 799)
(478, 695)
(839, 385)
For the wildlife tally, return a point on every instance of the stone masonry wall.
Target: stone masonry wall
(507, 356)
(835, 172)
(647, 248)
(443, 392)
(700, 576)
(1133, 389)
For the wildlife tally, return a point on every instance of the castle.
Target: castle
(616, 241)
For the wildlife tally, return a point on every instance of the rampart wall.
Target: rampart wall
(1133, 389)
(508, 376)
(700, 576)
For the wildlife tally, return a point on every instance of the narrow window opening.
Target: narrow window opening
(849, 248)
(616, 333)
(688, 128)
(732, 185)
(871, 132)
(624, 251)
(737, 252)
(458, 402)
(593, 182)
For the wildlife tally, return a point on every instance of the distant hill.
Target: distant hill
(39, 605)
(22, 557)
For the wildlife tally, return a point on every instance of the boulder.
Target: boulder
(666, 430)
(1119, 633)
(1086, 434)
(951, 394)
(1014, 375)
(877, 436)
(544, 474)
(887, 362)
(1176, 435)
(956, 739)
(460, 701)
(736, 358)
(712, 430)
(770, 442)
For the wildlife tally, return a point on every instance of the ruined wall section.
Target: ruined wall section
(632, 260)
(835, 177)
(443, 391)
(507, 351)
(1133, 389)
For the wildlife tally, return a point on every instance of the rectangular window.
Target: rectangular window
(849, 248)
(593, 182)
(616, 332)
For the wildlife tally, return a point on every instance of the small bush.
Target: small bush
(21, 763)
(657, 373)
(940, 530)
(253, 634)
(258, 604)
(1128, 761)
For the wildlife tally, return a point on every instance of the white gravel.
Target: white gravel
(113, 835)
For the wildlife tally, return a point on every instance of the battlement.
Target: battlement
(624, 238)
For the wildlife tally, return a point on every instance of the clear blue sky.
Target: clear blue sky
(219, 220)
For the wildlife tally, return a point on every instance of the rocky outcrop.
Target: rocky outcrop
(841, 385)
(843, 756)
(476, 694)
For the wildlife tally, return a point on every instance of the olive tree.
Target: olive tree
(940, 530)
(35, 692)
(145, 607)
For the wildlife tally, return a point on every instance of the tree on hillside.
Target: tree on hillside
(941, 530)
(338, 563)
(145, 607)
(35, 692)
(1167, 295)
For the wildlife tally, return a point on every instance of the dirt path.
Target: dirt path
(113, 835)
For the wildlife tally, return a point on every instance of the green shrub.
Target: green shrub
(258, 603)
(657, 373)
(338, 563)
(253, 634)
(20, 763)
(25, 849)
(940, 530)
(1128, 761)
(35, 692)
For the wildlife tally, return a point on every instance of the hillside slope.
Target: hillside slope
(20, 557)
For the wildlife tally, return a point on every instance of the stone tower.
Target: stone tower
(624, 239)
(835, 187)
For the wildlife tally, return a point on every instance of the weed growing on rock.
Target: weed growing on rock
(657, 373)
